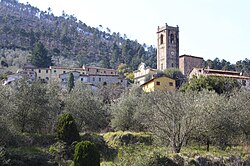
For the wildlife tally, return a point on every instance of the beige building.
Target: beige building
(188, 62)
(93, 75)
(161, 83)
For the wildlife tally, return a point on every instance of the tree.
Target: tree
(217, 126)
(39, 56)
(123, 113)
(86, 154)
(175, 74)
(212, 83)
(71, 82)
(239, 103)
(66, 129)
(87, 108)
(30, 111)
(172, 117)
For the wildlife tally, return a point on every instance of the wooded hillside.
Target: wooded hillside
(68, 38)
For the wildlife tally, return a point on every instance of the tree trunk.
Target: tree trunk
(176, 149)
(208, 144)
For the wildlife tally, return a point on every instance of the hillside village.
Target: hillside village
(89, 97)
(167, 57)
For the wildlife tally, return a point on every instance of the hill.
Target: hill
(66, 38)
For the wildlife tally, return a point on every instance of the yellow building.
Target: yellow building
(161, 83)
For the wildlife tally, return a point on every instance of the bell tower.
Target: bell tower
(167, 47)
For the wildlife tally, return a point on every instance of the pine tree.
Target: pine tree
(39, 56)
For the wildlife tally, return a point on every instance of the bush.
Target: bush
(86, 154)
(66, 129)
(119, 138)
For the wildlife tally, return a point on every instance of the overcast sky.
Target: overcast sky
(208, 28)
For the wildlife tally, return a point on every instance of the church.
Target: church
(167, 56)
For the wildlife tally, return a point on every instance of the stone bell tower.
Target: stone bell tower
(167, 47)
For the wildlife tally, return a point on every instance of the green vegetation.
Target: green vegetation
(71, 82)
(86, 154)
(66, 129)
(39, 56)
(69, 41)
(207, 122)
(120, 138)
(212, 83)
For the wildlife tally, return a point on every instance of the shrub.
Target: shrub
(66, 129)
(86, 154)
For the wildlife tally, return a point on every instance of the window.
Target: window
(172, 65)
(81, 79)
(171, 84)
(54, 71)
(93, 78)
(121, 80)
(111, 72)
(161, 39)
(158, 83)
(39, 71)
(47, 71)
(100, 79)
(62, 80)
(104, 71)
(64, 72)
(97, 70)
(88, 69)
(39, 77)
(47, 78)
(171, 38)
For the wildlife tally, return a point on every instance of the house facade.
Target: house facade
(95, 76)
(141, 74)
(161, 83)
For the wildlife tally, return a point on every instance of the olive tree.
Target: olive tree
(240, 103)
(125, 109)
(86, 107)
(170, 116)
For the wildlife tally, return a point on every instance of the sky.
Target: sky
(208, 28)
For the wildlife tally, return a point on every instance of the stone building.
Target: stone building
(188, 62)
(167, 47)
(96, 76)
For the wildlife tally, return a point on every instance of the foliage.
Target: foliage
(71, 81)
(39, 56)
(240, 66)
(30, 111)
(68, 39)
(125, 70)
(212, 83)
(66, 129)
(87, 108)
(120, 138)
(170, 116)
(86, 154)
(175, 74)
(123, 113)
